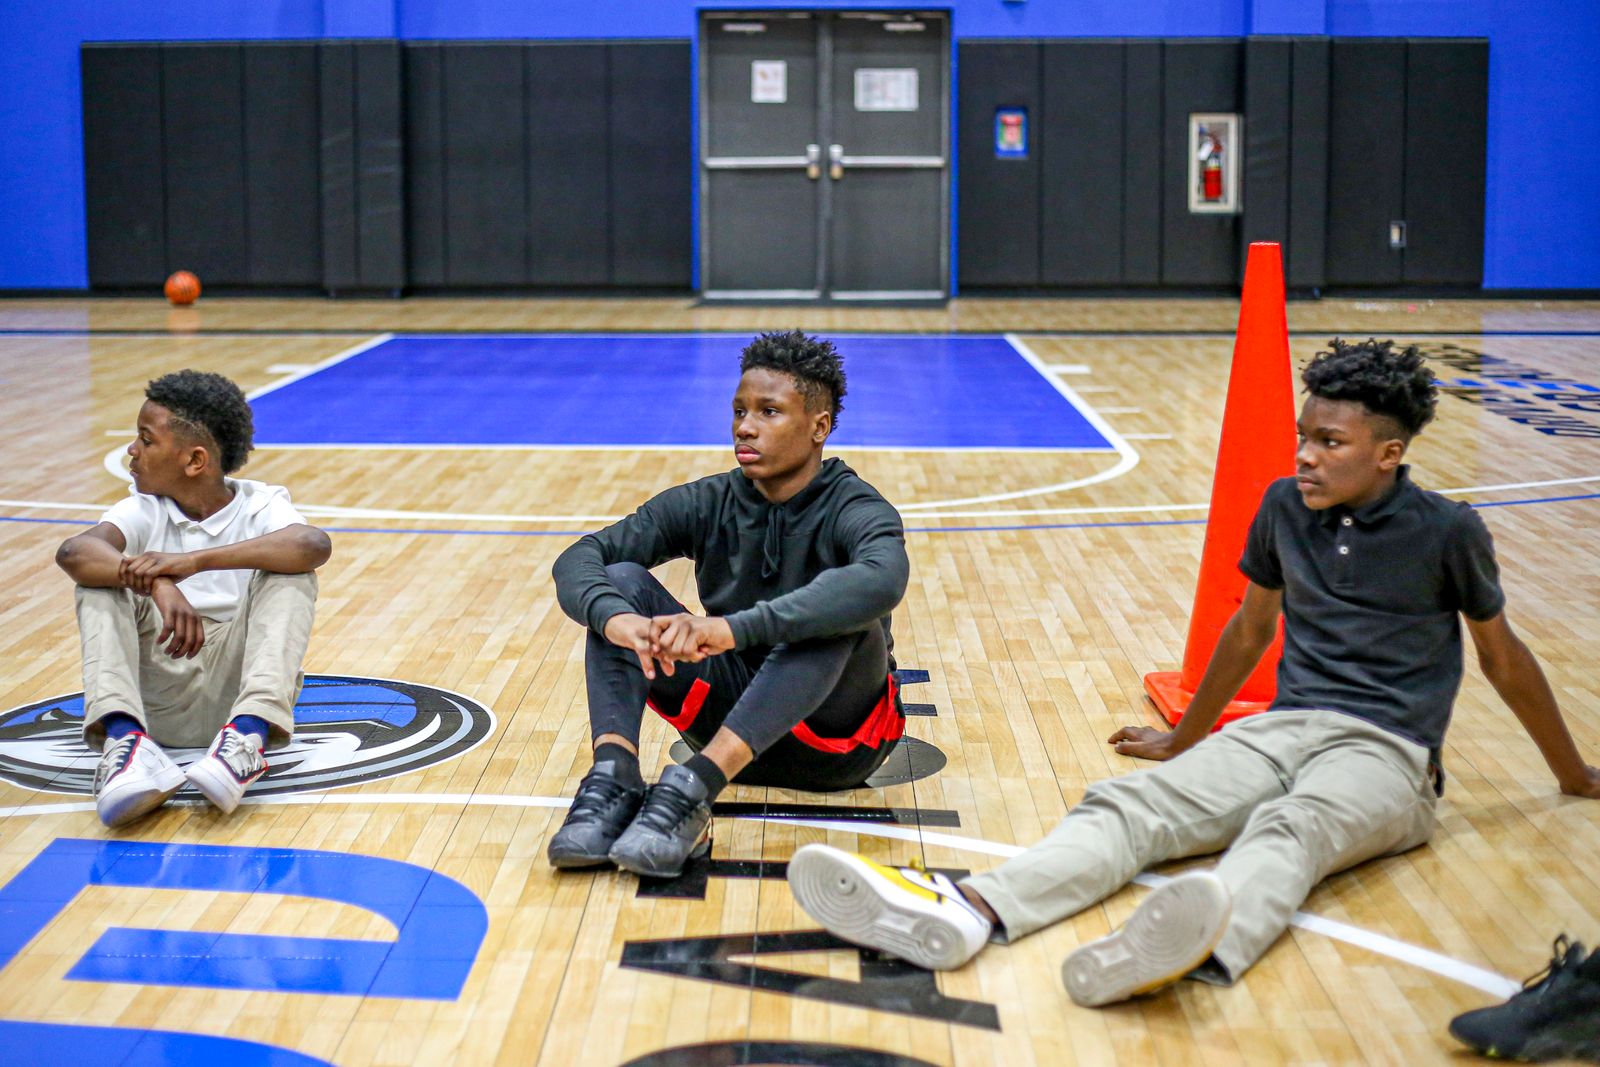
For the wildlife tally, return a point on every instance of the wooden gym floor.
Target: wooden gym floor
(1034, 615)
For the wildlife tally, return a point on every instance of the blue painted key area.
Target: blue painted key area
(968, 392)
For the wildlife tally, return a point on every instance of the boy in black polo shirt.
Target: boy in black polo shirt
(1369, 572)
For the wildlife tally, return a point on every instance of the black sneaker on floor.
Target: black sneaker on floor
(1556, 1016)
(673, 826)
(601, 810)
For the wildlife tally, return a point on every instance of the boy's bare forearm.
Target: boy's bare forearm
(292, 550)
(90, 562)
(1239, 649)
(1522, 684)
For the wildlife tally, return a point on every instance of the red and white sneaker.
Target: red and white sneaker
(134, 777)
(228, 767)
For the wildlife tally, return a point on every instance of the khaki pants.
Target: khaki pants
(249, 665)
(1298, 795)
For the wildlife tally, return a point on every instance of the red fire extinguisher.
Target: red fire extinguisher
(1210, 166)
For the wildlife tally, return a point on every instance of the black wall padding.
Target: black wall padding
(426, 166)
(1267, 102)
(485, 197)
(124, 198)
(549, 164)
(363, 213)
(1341, 137)
(568, 176)
(202, 88)
(1142, 164)
(1306, 251)
(651, 164)
(380, 166)
(282, 173)
(1447, 114)
(341, 252)
(1198, 76)
(1366, 176)
(340, 164)
(1080, 140)
(997, 217)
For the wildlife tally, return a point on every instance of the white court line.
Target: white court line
(476, 516)
(452, 446)
(1426, 959)
(1127, 457)
(303, 370)
(113, 461)
(307, 369)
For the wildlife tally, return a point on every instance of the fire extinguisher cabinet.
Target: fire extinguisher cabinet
(1215, 147)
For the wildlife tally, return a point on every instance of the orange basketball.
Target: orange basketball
(183, 288)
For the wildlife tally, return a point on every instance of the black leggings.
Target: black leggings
(831, 684)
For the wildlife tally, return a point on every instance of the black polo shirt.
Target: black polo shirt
(1370, 600)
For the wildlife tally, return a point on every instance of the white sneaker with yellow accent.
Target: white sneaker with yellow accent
(907, 912)
(1172, 932)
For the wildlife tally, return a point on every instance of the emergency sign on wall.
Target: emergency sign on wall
(1011, 133)
(1215, 145)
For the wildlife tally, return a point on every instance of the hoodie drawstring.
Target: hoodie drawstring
(772, 547)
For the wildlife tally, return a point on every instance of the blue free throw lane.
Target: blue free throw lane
(968, 392)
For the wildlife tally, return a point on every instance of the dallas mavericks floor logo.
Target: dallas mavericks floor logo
(346, 731)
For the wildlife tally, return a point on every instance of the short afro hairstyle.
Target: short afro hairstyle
(813, 363)
(209, 408)
(1391, 383)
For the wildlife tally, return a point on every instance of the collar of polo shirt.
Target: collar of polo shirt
(1379, 509)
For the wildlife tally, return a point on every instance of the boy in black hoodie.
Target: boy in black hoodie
(787, 680)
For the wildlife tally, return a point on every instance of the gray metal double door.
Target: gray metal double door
(824, 148)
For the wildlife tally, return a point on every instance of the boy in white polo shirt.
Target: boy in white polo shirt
(195, 599)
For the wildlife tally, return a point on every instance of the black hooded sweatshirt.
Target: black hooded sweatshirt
(829, 561)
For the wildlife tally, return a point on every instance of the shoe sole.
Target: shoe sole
(216, 785)
(1535, 1049)
(639, 867)
(1170, 934)
(571, 861)
(118, 806)
(845, 895)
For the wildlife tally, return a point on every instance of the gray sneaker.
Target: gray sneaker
(672, 827)
(601, 810)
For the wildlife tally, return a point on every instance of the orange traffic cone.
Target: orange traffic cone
(1257, 447)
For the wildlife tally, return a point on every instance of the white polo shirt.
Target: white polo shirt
(157, 524)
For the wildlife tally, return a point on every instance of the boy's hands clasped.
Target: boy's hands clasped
(140, 572)
(668, 639)
(156, 575)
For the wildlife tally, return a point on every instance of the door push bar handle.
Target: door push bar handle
(813, 161)
(836, 161)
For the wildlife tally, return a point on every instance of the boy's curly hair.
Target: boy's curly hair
(1394, 384)
(813, 363)
(209, 408)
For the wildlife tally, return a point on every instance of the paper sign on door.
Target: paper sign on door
(769, 81)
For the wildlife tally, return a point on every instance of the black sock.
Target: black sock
(709, 773)
(625, 762)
